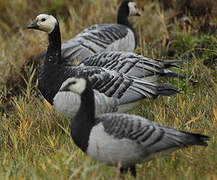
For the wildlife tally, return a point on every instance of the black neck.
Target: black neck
(123, 17)
(84, 120)
(87, 104)
(53, 55)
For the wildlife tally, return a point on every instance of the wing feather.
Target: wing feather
(131, 64)
(151, 136)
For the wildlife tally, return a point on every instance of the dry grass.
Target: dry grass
(35, 141)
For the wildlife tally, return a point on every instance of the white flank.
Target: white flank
(68, 103)
(112, 151)
(126, 107)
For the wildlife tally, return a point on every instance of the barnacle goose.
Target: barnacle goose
(101, 37)
(128, 90)
(121, 139)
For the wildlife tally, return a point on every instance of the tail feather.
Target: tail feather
(147, 89)
(160, 67)
(196, 139)
(166, 90)
(170, 63)
(141, 89)
(153, 90)
(184, 139)
(169, 73)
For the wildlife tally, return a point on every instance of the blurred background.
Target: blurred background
(35, 142)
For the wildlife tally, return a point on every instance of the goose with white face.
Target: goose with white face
(133, 11)
(120, 36)
(75, 85)
(67, 101)
(43, 22)
(122, 139)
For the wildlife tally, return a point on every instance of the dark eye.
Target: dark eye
(73, 82)
(43, 19)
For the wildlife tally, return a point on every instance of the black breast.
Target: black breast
(50, 79)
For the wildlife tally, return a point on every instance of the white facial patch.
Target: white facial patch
(132, 9)
(46, 22)
(76, 85)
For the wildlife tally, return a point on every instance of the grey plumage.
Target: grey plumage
(128, 88)
(121, 139)
(132, 64)
(91, 40)
(53, 72)
(114, 92)
(103, 37)
(95, 39)
(68, 103)
(147, 133)
(129, 139)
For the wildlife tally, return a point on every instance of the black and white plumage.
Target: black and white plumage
(132, 64)
(114, 91)
(115, 138)
(103, 37)
(53, 72)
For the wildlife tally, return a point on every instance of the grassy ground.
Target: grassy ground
(35, 141)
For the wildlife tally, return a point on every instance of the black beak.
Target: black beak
(33, 25)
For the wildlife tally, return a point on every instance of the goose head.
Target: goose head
(133, 11)
(75, 85)
(44, 22)
(129, 7)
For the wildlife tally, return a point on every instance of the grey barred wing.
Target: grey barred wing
(118, 85)
(131, 127)
(94, 39)
(149, 135)
(107, 33)
(125, 88)
(125, 62)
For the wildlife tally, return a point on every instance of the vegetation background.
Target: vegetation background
(35, 141)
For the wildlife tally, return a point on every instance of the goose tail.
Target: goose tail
(196, 139)
(172, 63)
(169, 73)
(166, 90)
